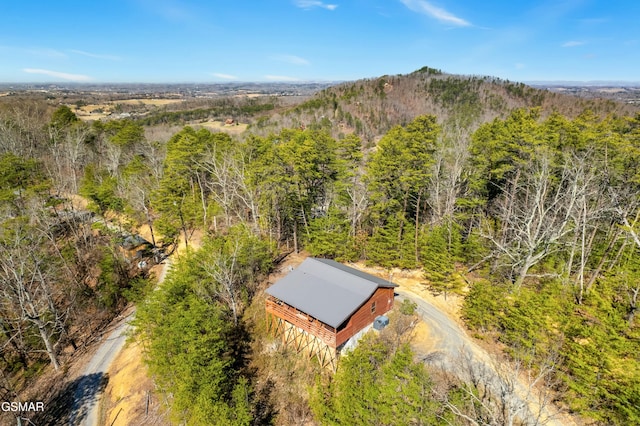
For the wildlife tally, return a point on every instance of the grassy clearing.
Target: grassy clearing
(103, 110)
(154, 102)
(221, 127)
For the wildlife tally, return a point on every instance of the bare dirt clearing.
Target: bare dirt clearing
(220, 126)
(129, 397)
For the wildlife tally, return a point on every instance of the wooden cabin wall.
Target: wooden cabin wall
(307, 323)
(383, 298)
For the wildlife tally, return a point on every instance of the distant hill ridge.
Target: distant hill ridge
(370, 107)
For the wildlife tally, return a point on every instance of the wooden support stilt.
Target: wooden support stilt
(301, 341)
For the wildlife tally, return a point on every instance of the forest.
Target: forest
(531, 216)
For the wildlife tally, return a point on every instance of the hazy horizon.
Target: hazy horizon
(301, 82)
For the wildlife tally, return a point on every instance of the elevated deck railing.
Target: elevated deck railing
(298, 318)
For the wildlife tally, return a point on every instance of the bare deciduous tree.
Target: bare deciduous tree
(223, 270)
(21, 130)
(445, 180)
(588, 211)
(27, 289)
(501, 393)
(228, 185)
(69, 152)
(535, 213)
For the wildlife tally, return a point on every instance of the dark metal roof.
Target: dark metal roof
(326, 290)
(132, 241)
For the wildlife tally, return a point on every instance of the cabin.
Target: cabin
(322, 306)
(135, 247)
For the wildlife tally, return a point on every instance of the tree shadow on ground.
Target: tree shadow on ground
(264, 411)
(70, 405)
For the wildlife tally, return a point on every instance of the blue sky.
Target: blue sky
(301, 40)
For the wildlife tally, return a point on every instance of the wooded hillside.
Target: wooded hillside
(532, 214)
(371, 107)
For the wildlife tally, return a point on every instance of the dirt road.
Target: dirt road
(454, 351)
(92, 382)
(94, 379)
(449, 338)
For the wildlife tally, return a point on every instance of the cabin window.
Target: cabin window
(373, 307)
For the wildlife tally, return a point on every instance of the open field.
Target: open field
(155, 102)
(219, 126)
(98, 111)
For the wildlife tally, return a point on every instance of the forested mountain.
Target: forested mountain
(370, 107)
(526, 203)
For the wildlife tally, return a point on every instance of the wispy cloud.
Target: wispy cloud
(40, 52)
(520, 66)
(310, 4)
(49, 53)
(425, 8)
(291, 59)
(280, 78)
(56, 74)
(97, 55)
(224, 76)
(573, 43)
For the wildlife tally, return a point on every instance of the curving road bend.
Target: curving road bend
(455, 352)
(91, 384)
